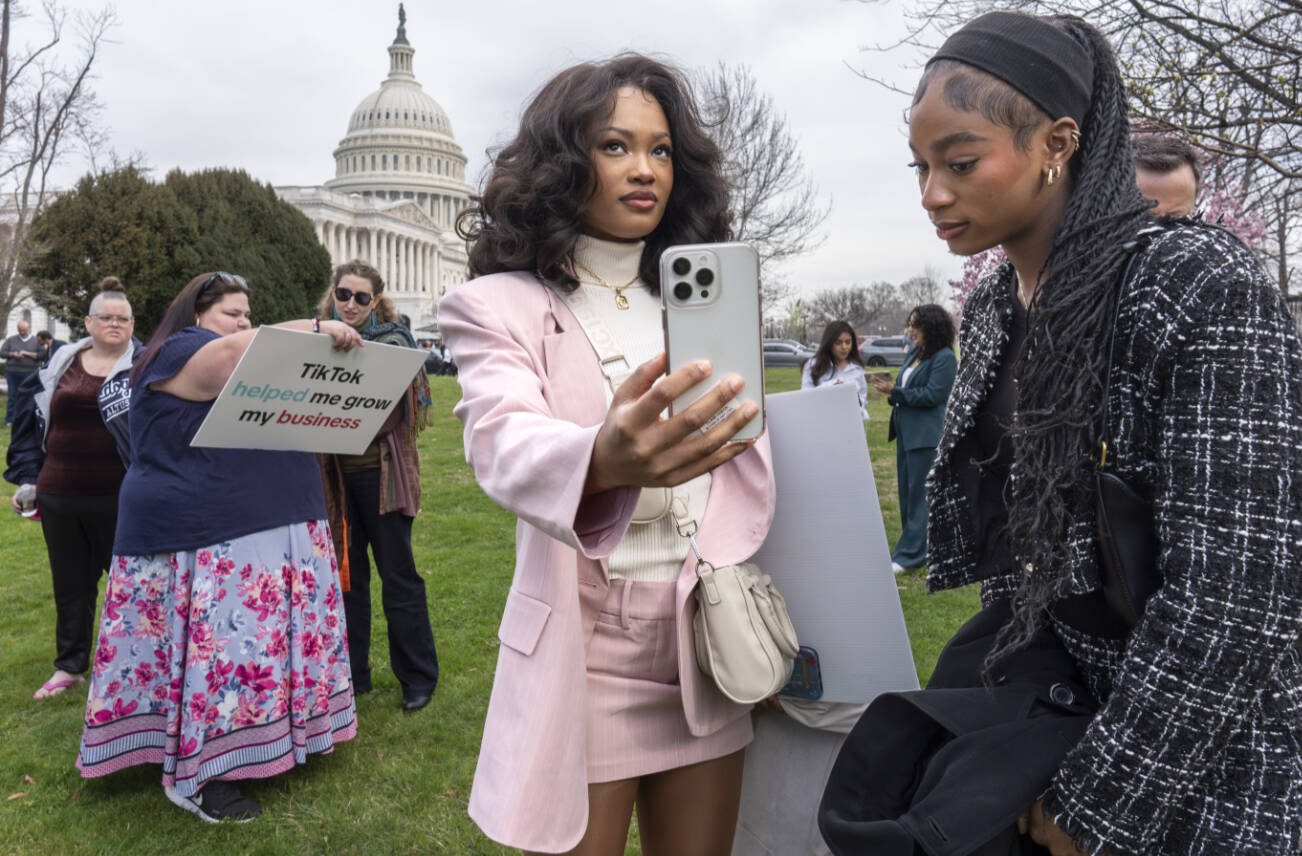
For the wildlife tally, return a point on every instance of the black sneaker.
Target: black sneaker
(217, 801)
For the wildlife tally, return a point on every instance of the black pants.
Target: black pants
(411, 641)
(79, 539)
(13, 379)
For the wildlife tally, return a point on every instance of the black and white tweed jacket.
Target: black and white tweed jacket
(1198, 746)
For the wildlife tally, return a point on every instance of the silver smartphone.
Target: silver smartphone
(710, 294)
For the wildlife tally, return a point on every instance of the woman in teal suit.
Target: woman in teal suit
(917, 400)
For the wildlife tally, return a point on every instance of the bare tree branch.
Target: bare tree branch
(45, 101)
(1225, 74)
(775, 206)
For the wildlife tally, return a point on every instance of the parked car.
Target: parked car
(884, 351)
(784, 352)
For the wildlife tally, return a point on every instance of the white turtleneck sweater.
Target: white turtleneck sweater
(651, 551)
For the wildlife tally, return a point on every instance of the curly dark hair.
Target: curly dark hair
(822, 359)
(1061, 368)
(528, 214)
(935, 324)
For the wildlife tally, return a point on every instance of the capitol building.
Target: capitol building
(400, 182)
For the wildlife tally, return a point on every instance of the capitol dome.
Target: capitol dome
(399, 145)
(400, 104)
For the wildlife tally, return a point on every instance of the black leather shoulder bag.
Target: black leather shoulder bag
(1127, 534)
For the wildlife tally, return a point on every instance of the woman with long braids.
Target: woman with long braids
(1020, 140)
(598, 704)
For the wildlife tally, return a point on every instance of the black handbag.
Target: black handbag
(1127, 534)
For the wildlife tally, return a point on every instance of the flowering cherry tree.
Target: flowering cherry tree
(975, 268)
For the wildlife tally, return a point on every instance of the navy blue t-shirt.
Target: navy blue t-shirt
(176, 497)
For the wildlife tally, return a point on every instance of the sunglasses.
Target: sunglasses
(343, 295)
(230, 277)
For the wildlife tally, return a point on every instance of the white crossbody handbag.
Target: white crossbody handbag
(743, 632)
(744, 637)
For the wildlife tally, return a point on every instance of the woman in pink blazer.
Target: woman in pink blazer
(598, 705)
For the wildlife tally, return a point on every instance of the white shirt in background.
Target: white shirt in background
(852, 374)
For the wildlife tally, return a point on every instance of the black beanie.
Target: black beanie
(1031, 55)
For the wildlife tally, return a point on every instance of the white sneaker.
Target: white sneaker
(897, 568)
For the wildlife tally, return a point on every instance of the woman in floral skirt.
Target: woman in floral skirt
(222, 652)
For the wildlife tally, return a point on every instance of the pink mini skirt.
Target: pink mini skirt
(636, 725)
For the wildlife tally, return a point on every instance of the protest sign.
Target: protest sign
(291, 391)
(827, 550)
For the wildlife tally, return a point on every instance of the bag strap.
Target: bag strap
(614, 365)
(685, 523)
(1132, 249)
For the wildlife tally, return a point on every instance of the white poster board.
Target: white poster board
(827, 549)
(292, 392)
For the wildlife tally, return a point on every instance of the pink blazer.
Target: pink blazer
(532, 401)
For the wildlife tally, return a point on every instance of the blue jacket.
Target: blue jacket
(918, 410)
(32, 421)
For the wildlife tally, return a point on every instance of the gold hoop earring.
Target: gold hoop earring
(1075, 141)
(1051, 177)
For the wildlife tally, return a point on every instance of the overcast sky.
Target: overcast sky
(269, 86)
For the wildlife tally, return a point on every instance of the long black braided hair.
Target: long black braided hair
(1061, 368)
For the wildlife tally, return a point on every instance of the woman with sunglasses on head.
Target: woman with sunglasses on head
(598, 704)
(1169, 344)
(68, 452)
(221, 651)
(372, 499)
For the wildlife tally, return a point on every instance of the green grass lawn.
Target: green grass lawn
(402, 784)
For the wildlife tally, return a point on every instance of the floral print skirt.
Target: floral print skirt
(226, 662)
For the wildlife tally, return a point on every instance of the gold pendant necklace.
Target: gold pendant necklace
(621, 302)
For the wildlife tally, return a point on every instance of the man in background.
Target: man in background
(22, 355)
(1167, 169)
(49, 345)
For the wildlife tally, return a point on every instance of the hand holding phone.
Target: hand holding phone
(710, 297)
(635, 447)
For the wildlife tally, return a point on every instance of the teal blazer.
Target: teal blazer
(918, 410)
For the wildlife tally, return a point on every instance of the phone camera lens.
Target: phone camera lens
(682, 291)
(704, 276)
(682, 266)
(705, 294)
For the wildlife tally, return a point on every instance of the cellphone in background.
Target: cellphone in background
(806, 676)
(710, 298)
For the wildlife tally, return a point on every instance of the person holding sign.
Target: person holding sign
(372, 499)
(221, 651)
(598, 704)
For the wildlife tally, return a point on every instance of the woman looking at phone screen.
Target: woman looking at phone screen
(1020, 139)
(598, 705)
(917, 398)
